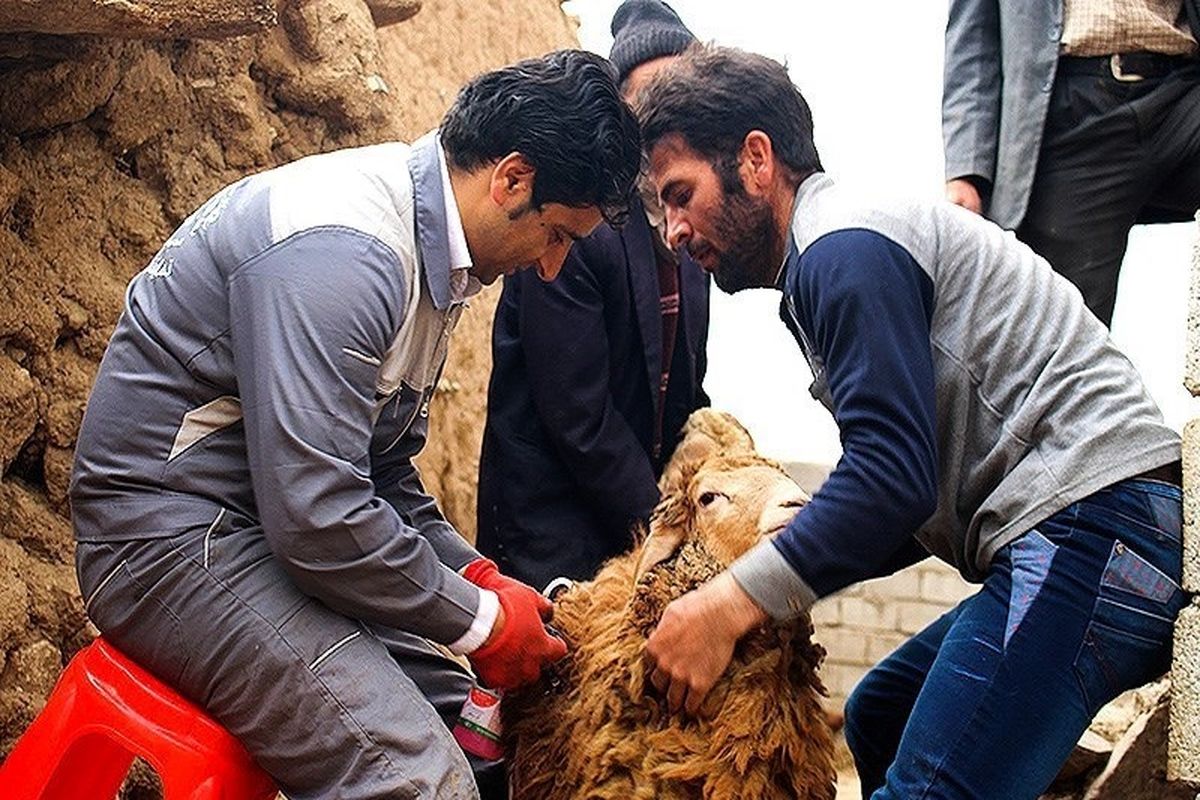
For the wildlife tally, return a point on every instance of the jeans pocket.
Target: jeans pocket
(1165, 506)
(1123, 647)
(1128, 572)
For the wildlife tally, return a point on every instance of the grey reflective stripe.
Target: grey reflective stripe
(87, 607)
(338, 645)
(208, 418)
(208, 534)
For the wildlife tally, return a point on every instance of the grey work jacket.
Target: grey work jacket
(273, 368)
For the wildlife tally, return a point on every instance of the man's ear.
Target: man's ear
(512, 181)
(757, 161)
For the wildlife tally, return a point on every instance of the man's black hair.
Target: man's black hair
(713, 96)
(564, 114)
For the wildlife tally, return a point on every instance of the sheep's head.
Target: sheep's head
(707, 433)
(591, 729)
(719, 492)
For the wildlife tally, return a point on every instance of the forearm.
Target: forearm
(867, 305)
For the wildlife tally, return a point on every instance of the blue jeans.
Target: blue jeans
(988, 701)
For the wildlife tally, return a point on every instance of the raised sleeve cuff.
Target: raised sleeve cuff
(481, 626)
(765, 575)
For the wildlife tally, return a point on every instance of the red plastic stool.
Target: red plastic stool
(104, 711)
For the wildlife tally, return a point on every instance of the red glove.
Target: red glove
(484, 573)
(519, 645)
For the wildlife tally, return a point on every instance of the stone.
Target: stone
(1183, 752)
(10, 188)
(389, 12)
(144, 103)
(33, 668)
(1091, 752)
(1191, 370)
(27, 518)
(55, 607)
(18, 409)
(28, 677)
(1137, 769)
(1191, 506)
(14, 595)
(38, 95)
(1119, 714)
(57, 463)
(139, 19)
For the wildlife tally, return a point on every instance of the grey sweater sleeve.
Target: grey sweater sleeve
(302, 315)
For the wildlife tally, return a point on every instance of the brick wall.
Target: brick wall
(860, 625)
(1183, 751)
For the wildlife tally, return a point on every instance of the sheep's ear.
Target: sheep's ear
(659, 546)
(707, 433)
(668, 529)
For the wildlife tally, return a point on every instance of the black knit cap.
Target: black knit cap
(644, 30)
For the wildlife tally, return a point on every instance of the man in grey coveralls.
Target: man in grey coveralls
(250, 525)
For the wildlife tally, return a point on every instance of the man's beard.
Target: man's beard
(753, 243)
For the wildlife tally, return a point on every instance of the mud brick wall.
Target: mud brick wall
(112, 130)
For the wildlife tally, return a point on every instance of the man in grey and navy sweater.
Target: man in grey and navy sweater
(985, 418)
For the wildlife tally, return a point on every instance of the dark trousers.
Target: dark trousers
(1113, 154)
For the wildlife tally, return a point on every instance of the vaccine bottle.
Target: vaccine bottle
(478, 728)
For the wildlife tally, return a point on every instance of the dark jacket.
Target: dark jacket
(997, 93)
(567, 463)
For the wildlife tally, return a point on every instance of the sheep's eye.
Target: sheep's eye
(708, 498)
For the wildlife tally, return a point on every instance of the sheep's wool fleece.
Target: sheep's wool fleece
(591, 731)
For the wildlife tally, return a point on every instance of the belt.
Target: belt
(1124, 66)
(1168, 473)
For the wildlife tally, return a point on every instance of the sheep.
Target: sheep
(594, 728)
